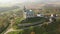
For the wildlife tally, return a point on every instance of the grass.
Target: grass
(52, 28)
(13, 32)
(33, 20)
(30, 20)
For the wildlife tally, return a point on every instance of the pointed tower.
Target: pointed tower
(24, 12)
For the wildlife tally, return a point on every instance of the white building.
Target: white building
(40, 15)
(52, 15)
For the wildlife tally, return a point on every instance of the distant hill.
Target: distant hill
(37, 5)
(30, 5)
(8, 8)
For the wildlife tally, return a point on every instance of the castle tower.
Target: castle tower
(24, 12)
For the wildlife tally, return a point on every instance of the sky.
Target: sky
(12, 2)
(21, 1)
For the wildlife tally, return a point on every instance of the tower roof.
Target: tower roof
(24, 9)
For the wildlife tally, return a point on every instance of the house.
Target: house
(52, 18)
(54, 15)
(40, 15)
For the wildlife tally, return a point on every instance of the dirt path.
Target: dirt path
(9, 30)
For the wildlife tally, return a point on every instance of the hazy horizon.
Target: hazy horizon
(5, 3)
